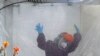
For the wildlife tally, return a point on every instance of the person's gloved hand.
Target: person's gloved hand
(77, 29)
(39, 28)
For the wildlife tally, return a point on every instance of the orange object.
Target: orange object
(16, 49)
(5, 44)
(68, 37)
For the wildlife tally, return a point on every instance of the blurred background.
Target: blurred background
(19, 21)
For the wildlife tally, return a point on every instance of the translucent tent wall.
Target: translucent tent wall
(91, 26)
(59, 16)
(6, 27)
(19, 22)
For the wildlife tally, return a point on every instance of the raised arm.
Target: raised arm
(77, 29)
(77, 38)
(41, 38)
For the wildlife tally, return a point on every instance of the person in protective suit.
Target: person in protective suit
(62, 45)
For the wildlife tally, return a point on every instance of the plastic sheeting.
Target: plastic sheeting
(90, 24)
(26, 16)
(55, 18)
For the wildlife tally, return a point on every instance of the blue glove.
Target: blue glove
(39, 28)
(77, 29)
